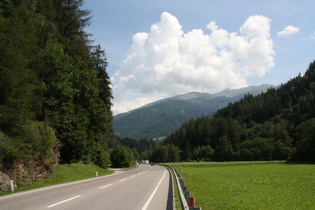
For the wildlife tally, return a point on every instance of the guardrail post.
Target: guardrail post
(187, 194)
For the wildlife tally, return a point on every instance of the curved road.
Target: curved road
(146, 187)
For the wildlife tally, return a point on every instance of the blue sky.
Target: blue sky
(158, 49)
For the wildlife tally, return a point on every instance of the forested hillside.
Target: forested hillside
(276, 125)
(55, 97)
(165, 116)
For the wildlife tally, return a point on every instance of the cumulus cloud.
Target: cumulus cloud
(166, 61)
(288, 31)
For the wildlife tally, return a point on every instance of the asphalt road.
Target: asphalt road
(146, 187)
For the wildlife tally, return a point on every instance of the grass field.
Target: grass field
(66, 173)
(250, 185)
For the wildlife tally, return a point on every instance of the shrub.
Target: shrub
(121, 157)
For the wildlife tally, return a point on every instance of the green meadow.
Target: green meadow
(250, 185)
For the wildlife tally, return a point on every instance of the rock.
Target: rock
(4, 182)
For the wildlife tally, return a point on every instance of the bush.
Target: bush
(121, 157)
(101, 159)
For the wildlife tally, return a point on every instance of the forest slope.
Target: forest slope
(55, 97)
(276, 125)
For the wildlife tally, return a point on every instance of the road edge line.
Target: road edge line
(153, 193)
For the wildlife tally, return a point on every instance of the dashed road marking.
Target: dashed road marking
(105, 186)
(63, 201)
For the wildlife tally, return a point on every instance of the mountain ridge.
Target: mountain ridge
(164, 116)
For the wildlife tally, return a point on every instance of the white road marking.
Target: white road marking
(133, 176)
(105, 186)
(123, 180)
(153, 193)
(53, 187)
(63, 201)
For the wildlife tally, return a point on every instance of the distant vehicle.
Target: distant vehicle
(152, 164)
(145, 162)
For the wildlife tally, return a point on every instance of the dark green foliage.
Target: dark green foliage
(54, 89)
(141, 146)
(203, 153)
(165, 153)
(275, 125)
(142, 149)
(99, 156)
(305, 146)
(122, 157)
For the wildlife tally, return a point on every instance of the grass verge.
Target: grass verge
(177, 197)
(250, 185)
(66, 173)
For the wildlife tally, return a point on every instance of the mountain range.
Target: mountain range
(160, 118)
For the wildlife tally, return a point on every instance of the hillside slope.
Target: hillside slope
(276, 125)
(55, 93)
(165, 116)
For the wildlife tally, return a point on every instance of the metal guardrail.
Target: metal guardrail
(184, 193)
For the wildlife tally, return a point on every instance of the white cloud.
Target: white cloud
(312, 36)
(136, 102)
(287, 31)
(166, 61)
